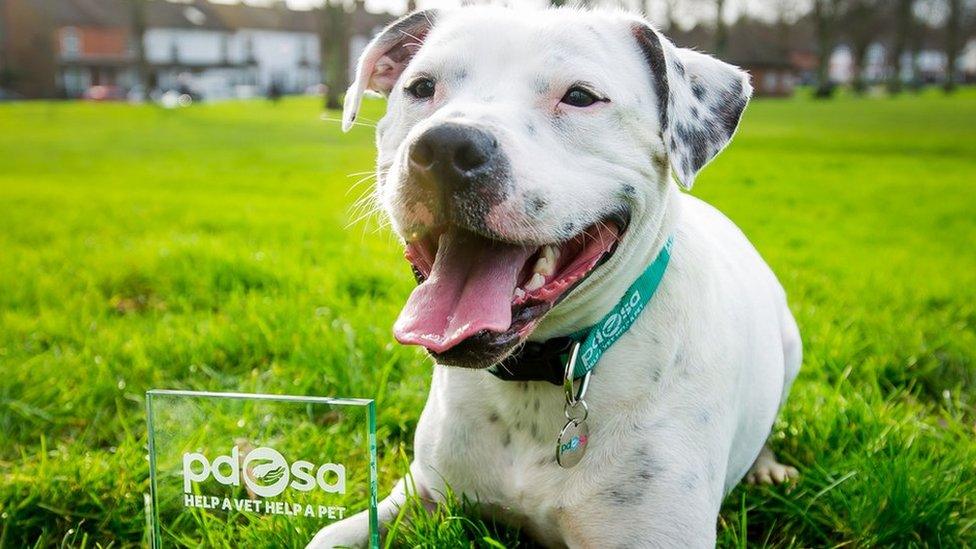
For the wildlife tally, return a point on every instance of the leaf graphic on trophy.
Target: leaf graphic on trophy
(269, 477)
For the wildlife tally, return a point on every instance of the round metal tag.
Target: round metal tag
(572, 443)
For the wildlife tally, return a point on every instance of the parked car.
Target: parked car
(104, 93)
(7, 95)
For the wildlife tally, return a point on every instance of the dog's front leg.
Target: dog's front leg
(354, 531)
(672, 521)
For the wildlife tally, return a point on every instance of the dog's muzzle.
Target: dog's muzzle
(461, 170)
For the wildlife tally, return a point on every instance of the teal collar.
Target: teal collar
(546, 361)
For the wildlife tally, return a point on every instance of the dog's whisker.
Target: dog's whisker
(357, 122)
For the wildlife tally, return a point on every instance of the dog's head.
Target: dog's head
(516, 149)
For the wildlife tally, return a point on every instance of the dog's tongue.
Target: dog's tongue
(469, 289)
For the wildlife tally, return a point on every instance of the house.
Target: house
(756, 48)
(61, 48)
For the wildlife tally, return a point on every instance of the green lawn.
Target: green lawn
(218, 247)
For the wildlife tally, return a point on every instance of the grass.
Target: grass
(207, 248)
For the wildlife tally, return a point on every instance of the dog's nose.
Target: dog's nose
(457, 153)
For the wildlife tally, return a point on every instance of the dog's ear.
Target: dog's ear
(699, 99)
(384, 59)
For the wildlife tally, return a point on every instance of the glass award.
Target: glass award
(245, 470)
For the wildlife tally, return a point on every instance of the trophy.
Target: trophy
(251, 470)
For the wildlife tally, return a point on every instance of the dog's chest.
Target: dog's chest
(498, 445)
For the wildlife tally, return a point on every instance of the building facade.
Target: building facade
(64, 48)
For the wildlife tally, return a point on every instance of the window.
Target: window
(70, 42)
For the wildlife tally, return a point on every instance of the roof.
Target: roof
(750, 44)
(241, 16)
(201, 14)
(87, 13)
(194, 15)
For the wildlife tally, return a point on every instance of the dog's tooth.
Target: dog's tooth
(537, 281)
(546, 264)
(542, 266)
(519, 293)
(551, 252)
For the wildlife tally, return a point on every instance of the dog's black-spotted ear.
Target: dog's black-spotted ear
(699, 99)
(385, 57)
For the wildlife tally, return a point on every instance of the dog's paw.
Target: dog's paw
(766, 470)
(339, 535)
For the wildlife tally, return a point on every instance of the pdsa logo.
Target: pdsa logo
(264, 471)
(574, 444)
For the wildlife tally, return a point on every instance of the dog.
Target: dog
(533, 164)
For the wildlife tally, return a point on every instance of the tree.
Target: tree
(721, 29)
(786, 13)
(862, 25)
(953, 27)
(825, 17)
(138, 41)
(334, 44)
(904, 19)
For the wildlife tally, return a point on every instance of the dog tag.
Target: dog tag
(572, 443)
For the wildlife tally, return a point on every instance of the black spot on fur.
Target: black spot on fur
(569, 227)
(679, 67)
(699, 90)
(460, 75)
(729, 108)
(493, 417)
(507, 439)
(661, 162)
(626, 493)
(537, 204)
(653, 52)
(698, 141)
(530, 128)
(647, 466)
(629, 190)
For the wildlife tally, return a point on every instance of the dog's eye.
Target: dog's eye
(421, 88)
(580, 97)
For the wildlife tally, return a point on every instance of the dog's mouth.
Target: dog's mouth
(479, 297)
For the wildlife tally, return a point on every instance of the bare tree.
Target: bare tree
(786, 13)
(138, 29)
(862, 24)
(953, 26)
(334, 44)
(904, 21)
(721, 29)
(825, 17)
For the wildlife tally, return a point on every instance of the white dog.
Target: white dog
(528, 160)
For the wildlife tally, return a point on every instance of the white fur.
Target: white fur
(682, 404)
